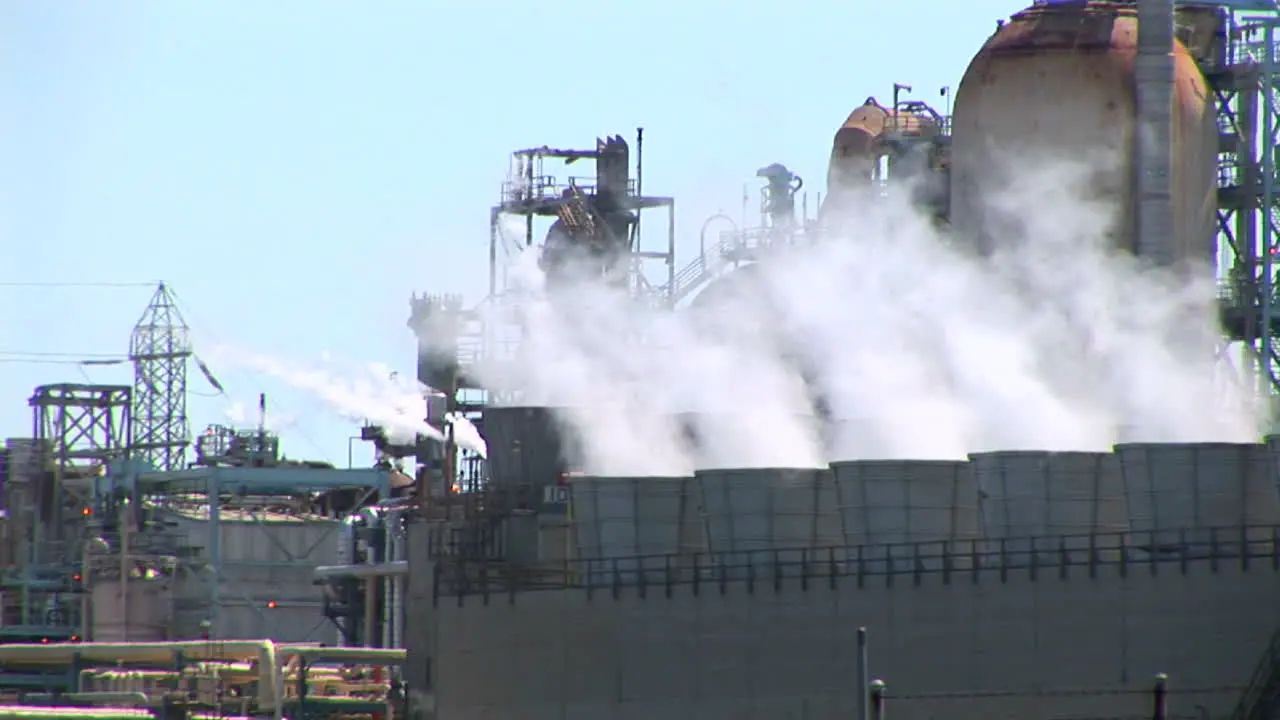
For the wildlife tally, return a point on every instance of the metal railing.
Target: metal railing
(462, 570)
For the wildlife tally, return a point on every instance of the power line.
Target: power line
(77, 284)
(56, 361)
(51, 354)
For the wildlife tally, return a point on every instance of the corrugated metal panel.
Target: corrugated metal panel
(1041, 496)
(261, 562)
(146, 617)
(526, 446)
(1181, 490)
(776, 509)
(618, 518)
(889, 505)
(1057, 83)
(906, 501)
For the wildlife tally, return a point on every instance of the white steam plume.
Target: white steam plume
(921, 349)
(376, 395)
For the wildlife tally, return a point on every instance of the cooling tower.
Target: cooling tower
(626, 524)
(527, 447)
(1050, 500)
(1200, 493)
(890, 506)
(1056, 82)
(756, 516)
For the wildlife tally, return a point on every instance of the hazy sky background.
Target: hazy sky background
(295, 170)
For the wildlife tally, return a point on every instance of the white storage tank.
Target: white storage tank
(140, 610)
(1178, 491)
(1050, 499)
(906, 509)
(757, 515)
(627, 524)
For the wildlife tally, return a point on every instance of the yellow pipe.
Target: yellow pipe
(32, 711)
(270, 685)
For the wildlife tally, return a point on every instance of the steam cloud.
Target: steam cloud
(920, 348)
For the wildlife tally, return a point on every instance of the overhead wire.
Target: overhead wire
(62, 284)
(180, 303)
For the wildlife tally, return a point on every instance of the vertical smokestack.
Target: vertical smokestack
(1153, 132)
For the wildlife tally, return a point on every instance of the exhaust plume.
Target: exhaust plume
(917, 345)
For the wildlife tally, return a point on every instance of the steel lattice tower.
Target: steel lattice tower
(159, 348)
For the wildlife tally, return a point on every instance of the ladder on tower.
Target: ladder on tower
(576, 213)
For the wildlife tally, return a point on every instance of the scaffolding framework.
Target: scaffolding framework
(159, 348)
(1245, 85)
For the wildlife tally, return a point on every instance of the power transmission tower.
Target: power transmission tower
(159, 348)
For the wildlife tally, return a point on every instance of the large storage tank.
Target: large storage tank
(628, 524)
(1057, 82)
(906, 509)
(1050, 498)
(1200, 493)
(140, 610)
(755, 516)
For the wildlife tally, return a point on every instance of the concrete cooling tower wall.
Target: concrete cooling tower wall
(887, 504)
(755, 517)
(625, 525)
(1200, 493)
(1038, 497)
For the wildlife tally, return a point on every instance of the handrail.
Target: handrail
(1129, 551)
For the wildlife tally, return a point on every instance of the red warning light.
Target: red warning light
(86, 511)
(75, 638)
(44, 641)
(77, 577)
(271, 605)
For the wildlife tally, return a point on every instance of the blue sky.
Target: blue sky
(295, 170)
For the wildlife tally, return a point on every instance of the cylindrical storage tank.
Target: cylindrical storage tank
(625, 525)
(527, 447)
(1056, 83)
(1201, 494)
(140, 610)
(1048, 501)
(756, 517)
(906, 512)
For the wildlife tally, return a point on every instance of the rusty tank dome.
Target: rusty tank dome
(1057, 81)
(860, 143)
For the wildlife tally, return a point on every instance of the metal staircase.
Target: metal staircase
(1261, 698)
(576, 214)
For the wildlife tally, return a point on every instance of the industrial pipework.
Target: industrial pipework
(249, 678)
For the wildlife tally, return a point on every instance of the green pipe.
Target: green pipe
(89, 698)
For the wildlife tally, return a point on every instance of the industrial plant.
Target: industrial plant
(151, 572)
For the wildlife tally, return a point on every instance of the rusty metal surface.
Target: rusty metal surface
(1057, 82)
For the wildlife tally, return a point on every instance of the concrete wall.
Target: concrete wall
(993, 647)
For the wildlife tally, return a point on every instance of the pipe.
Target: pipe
(362, 570)
(861, 685)
(90, 698)
(270, 690)
(35, 711)
(1153, 131)
(346, 655)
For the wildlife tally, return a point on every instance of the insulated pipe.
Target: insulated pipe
(270, 692)
(1153, 132)
(362, 570)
